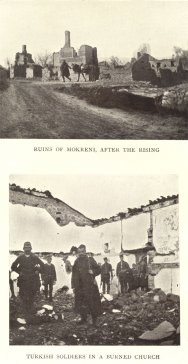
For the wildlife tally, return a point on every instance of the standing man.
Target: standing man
(73, 255)
(87, 297)
(49, 278)
(143, 274)
(64, 68)
(28, 266)
(106, 274)
(123, 274)
(135, 273)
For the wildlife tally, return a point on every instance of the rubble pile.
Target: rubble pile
(137, 318)
(176, 99)
(141, 96)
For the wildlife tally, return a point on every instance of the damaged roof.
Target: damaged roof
(63, 214)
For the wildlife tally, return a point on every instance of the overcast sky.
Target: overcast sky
(115, 27)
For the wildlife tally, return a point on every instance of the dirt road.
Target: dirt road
(37, 110)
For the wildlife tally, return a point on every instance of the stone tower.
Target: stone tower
(24, 49)
(67, 38)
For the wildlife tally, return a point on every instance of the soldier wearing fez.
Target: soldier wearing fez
(87, 297)
(28, 266)
(106, 274)
(49, 277)
(123, 273)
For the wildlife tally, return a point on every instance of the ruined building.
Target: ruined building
(24, 66)
(147, 235)
(23, 58)
(163, 73)
(86, 54)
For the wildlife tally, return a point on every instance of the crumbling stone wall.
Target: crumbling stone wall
(169, 78)
(20, 71)
(87, 55)
(163, 265)
(61, 212)
(166, 229)
(144, 70)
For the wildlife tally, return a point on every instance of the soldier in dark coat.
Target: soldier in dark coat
(64, 68)
(136, 278)
(106, 274)
(123, 273)
(87, 297)
(28, 266)
(143, 275)
(49, 278)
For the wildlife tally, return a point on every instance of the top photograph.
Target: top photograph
(94, 70)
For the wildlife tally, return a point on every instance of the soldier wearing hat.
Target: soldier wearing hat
(87, 297)
(106, 274)
(49, 277)
(28, 266)
(123, 273)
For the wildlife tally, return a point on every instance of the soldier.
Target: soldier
(106, 274)
(87, 297)
(123, 274)
(143, 274)
(136, 278)
(28, 266)
(49, 277)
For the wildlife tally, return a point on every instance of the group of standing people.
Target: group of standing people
(29, 268)
(84, 270)
(128, 278)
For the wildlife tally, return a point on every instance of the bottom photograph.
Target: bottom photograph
(94, 260)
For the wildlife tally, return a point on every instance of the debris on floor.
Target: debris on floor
(137, 318)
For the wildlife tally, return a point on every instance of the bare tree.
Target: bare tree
(8, 62)
(115, 61)
(44, 59)
(178, 51)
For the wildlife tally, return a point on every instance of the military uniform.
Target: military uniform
(123, 273)
(49, 278)
(28, 268)
(87, 297)
(106, 272)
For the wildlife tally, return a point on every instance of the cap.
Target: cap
(121, 255)
(27, 244)
(105, 258)
(82, 246)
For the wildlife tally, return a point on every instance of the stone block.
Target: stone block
(173, 297)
